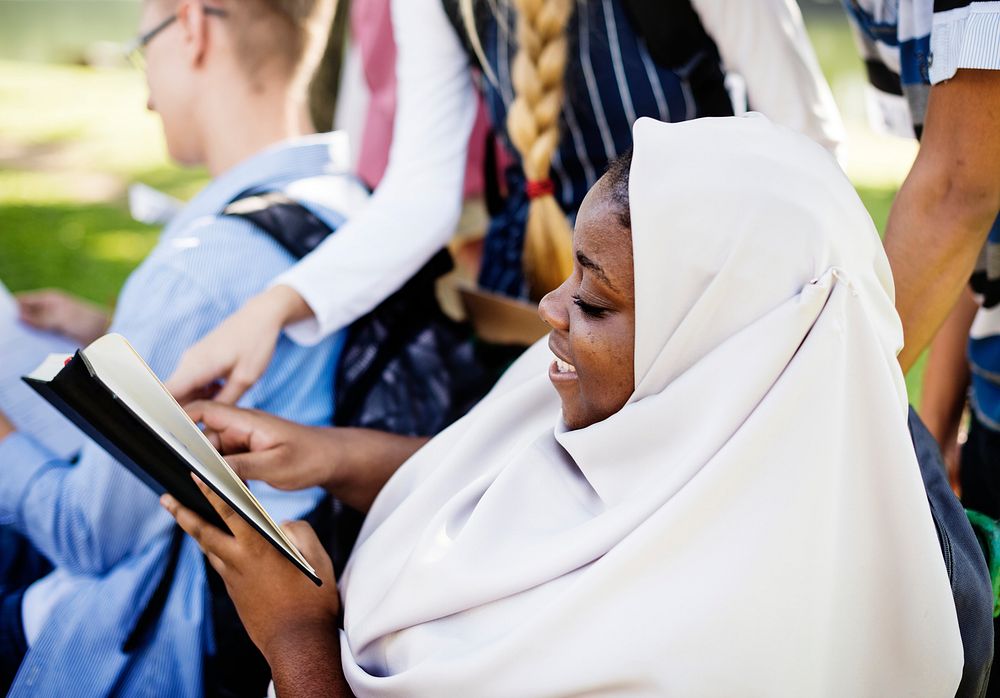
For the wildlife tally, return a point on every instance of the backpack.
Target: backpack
(971, 586)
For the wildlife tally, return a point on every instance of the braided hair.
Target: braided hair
(538, 74)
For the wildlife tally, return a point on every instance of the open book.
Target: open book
(111, 394)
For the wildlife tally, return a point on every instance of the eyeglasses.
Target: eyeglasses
(135, 49)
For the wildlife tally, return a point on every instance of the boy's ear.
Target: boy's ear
(194, 26)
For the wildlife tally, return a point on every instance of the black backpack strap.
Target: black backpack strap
(300, 231)
(288, 222)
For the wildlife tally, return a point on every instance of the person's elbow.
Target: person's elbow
(971, 195)
(964, 194)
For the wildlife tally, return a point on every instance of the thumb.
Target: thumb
(243, 464)
(261, 465)
(305, 539)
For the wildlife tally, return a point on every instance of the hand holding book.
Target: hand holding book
(261, 446)
(111, 394)
(273, 600)
(352, 464)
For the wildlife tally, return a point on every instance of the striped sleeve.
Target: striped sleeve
(965, 34)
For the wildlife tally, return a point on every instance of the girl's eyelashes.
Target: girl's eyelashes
(588, 309)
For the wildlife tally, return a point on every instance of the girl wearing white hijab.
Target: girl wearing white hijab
(730, 504)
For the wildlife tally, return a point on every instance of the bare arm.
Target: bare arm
(352, 464)
(369, 459)
(946, 380)
(945, 208)
(306, 663)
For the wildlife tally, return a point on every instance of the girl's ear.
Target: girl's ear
(194, 27)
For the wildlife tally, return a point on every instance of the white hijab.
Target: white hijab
(752, 522)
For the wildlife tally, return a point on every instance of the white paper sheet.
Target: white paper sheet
(21, 350)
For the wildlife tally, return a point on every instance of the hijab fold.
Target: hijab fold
(752, 522)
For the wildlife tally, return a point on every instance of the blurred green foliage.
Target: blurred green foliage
(71, 140)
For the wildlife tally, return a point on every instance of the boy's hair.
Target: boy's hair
(287, 36)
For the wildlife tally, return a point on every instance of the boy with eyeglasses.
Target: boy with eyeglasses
(128, 607)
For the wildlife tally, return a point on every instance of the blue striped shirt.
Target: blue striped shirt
(907, 45)
(101, 527)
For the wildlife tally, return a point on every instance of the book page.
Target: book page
(50, 367)
(21, 348)
(122, 370)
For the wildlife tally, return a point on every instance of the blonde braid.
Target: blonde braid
(533, 126)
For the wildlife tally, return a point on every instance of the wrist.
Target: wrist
(340, 472)
(318, 636)
(366, 459)
(286, 305)
(308, 664)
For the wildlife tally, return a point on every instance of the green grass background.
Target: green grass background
(71, 140)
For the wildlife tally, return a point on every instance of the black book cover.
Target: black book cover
(83, 399)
